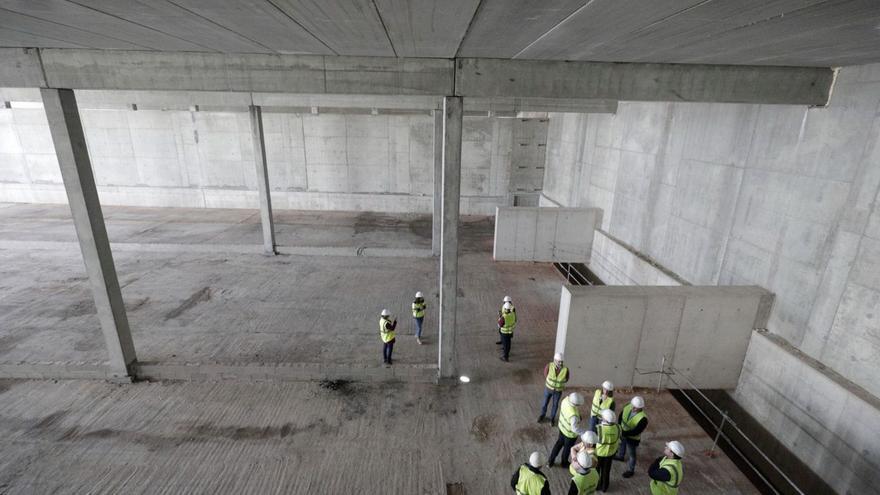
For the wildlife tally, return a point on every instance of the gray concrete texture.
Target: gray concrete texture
(186, 158)
(225, 307)
(545, 234)
(240, 326)
(626, 334)
(810, 33)
(778, 196)
(322, 438)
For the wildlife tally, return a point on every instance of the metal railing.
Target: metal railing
(674, 376)
(573, 274)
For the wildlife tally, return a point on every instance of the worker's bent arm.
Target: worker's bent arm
(545, 490)
(656, 473)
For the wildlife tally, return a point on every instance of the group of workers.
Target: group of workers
(588, 451)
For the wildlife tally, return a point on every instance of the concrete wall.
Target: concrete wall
(545, 234)
(622, 333)
(182, 157)
(784, 197)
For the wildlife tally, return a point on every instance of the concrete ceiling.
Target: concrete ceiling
(759, 32)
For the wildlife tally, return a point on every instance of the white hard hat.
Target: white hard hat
(557, 356)
(507, 299)
(536, 460)
(585, 460)
(507, 306)
(608, 416)
(590, 436)
(419, 294)
(676, 447)
(608, 385)
(385, 312)
(638, 402)
(576, 399)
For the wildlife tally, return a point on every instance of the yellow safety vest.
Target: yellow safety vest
(609, 440)
(585, 483)
(566, 412)
(599, 404)
(675, 475)
(530, 483)
(509, 323)
(418, 308)
(387, 335)
(556, 381)
(628, 423)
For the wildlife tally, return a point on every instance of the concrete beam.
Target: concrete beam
(261, 166)
(314, 74)
(20, 68)
(489, 78)
(526, 85)
(504, 106)
(79, 182)
(437, 217)
(453, 113)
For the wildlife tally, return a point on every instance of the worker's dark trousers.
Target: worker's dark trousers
(387, 349)
(564, 444)
(604, 472)
(505, 344)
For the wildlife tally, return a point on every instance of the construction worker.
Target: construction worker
(602, 399)
(609, 442)
(588, 442)
(583, 479)
(528, 479)
(418, 311)
(666, 472)
(387, 324)
(506, 324)
(506, 300)
(633, 422)
(569, 428)
(556, 375)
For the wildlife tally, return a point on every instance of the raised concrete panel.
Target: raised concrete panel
(544, 234)
(624, 334)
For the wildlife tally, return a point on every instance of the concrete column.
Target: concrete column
(82, 195)
(437, 218)
(452, 123)
(263, 180)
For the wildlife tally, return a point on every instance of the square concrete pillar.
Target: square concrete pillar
(256, 114)
(437, 217)
(82, 195)
(451, 194)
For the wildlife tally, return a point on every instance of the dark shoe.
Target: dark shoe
(550, 464)
(564, 465)
(628, 474)
(540, 419)
(498, 343)
(618, 458)
(552, 423)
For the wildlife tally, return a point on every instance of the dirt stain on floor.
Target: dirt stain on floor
(199, 296)
(523, 376)
(80, 308)
(532, 433)
(484, 426)
(136, 305)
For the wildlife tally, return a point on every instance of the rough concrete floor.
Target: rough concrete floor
(233, 436)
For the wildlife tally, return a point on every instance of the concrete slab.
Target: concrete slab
(626, 333)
